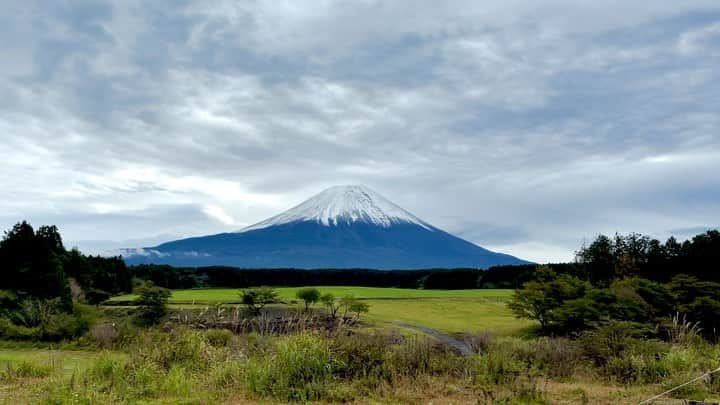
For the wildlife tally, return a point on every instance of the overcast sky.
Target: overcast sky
(523, 126)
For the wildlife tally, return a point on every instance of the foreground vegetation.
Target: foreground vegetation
(189, 366)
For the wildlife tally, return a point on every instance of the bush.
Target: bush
(64, 326)
(218, 337)
(189, 349)
(331, 303)
(309, 296)
(256, 298)
(300, 370)
(556, 358)
(612, 340)
(497, 367)
(362, 356)
(104, 334)
(41, 320)
(96, 297)
(152, 304)
(10, 331)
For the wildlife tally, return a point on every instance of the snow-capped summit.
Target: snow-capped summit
(344, 205)
(342, 227)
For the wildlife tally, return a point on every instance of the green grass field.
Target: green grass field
(449, 311)
(450, 315)
(232, 295)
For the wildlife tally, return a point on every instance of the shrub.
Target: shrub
(8, 301)
(64, 326)
(104, 334)
(612, 340)
(331, 303)
(189, 349)
(95, 297)
(301, 369)
(10, 331)
(152, 304)
(556, 358)
(256, 298)
(538, 299)
(496, 367)
(706, 311)
(361, 356)
(309, 296)
(218, 337)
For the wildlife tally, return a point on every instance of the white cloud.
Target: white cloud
(218, 214)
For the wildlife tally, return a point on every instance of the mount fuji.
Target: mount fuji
(342, 227)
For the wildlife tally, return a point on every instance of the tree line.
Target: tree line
(232, 277)
(42, 285)
(630, 280)
(35, 263)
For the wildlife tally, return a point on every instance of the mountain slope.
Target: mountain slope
(342, 227)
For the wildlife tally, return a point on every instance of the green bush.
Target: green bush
(40, 320)
(361, 356)
(152, 304)
(190, 349)
(10, 331)
(218, 337)
(309, 295)
(256, 298)
(497, 368)
(614, 339)
(301, 369)
(556, 358)
(94, 296)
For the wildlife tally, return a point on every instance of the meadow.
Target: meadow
(448, 311)
(377, 361)
(232, 295)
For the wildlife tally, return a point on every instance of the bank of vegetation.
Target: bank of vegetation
(630, 318)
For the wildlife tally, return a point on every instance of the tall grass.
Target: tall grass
(187, 366)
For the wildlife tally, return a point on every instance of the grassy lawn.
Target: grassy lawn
(445, 310)
(450, 315)
(231, 295)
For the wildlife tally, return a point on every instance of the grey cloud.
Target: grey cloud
(520, 125)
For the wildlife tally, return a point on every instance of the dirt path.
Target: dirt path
(464, 349)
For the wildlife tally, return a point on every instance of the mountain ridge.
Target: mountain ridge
(340, 227)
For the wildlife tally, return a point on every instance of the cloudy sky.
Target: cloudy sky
(524, 126)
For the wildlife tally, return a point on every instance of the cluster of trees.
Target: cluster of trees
(635, 255)
(39, 279)
(35, 263)
(629, 278)
(256, 298)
